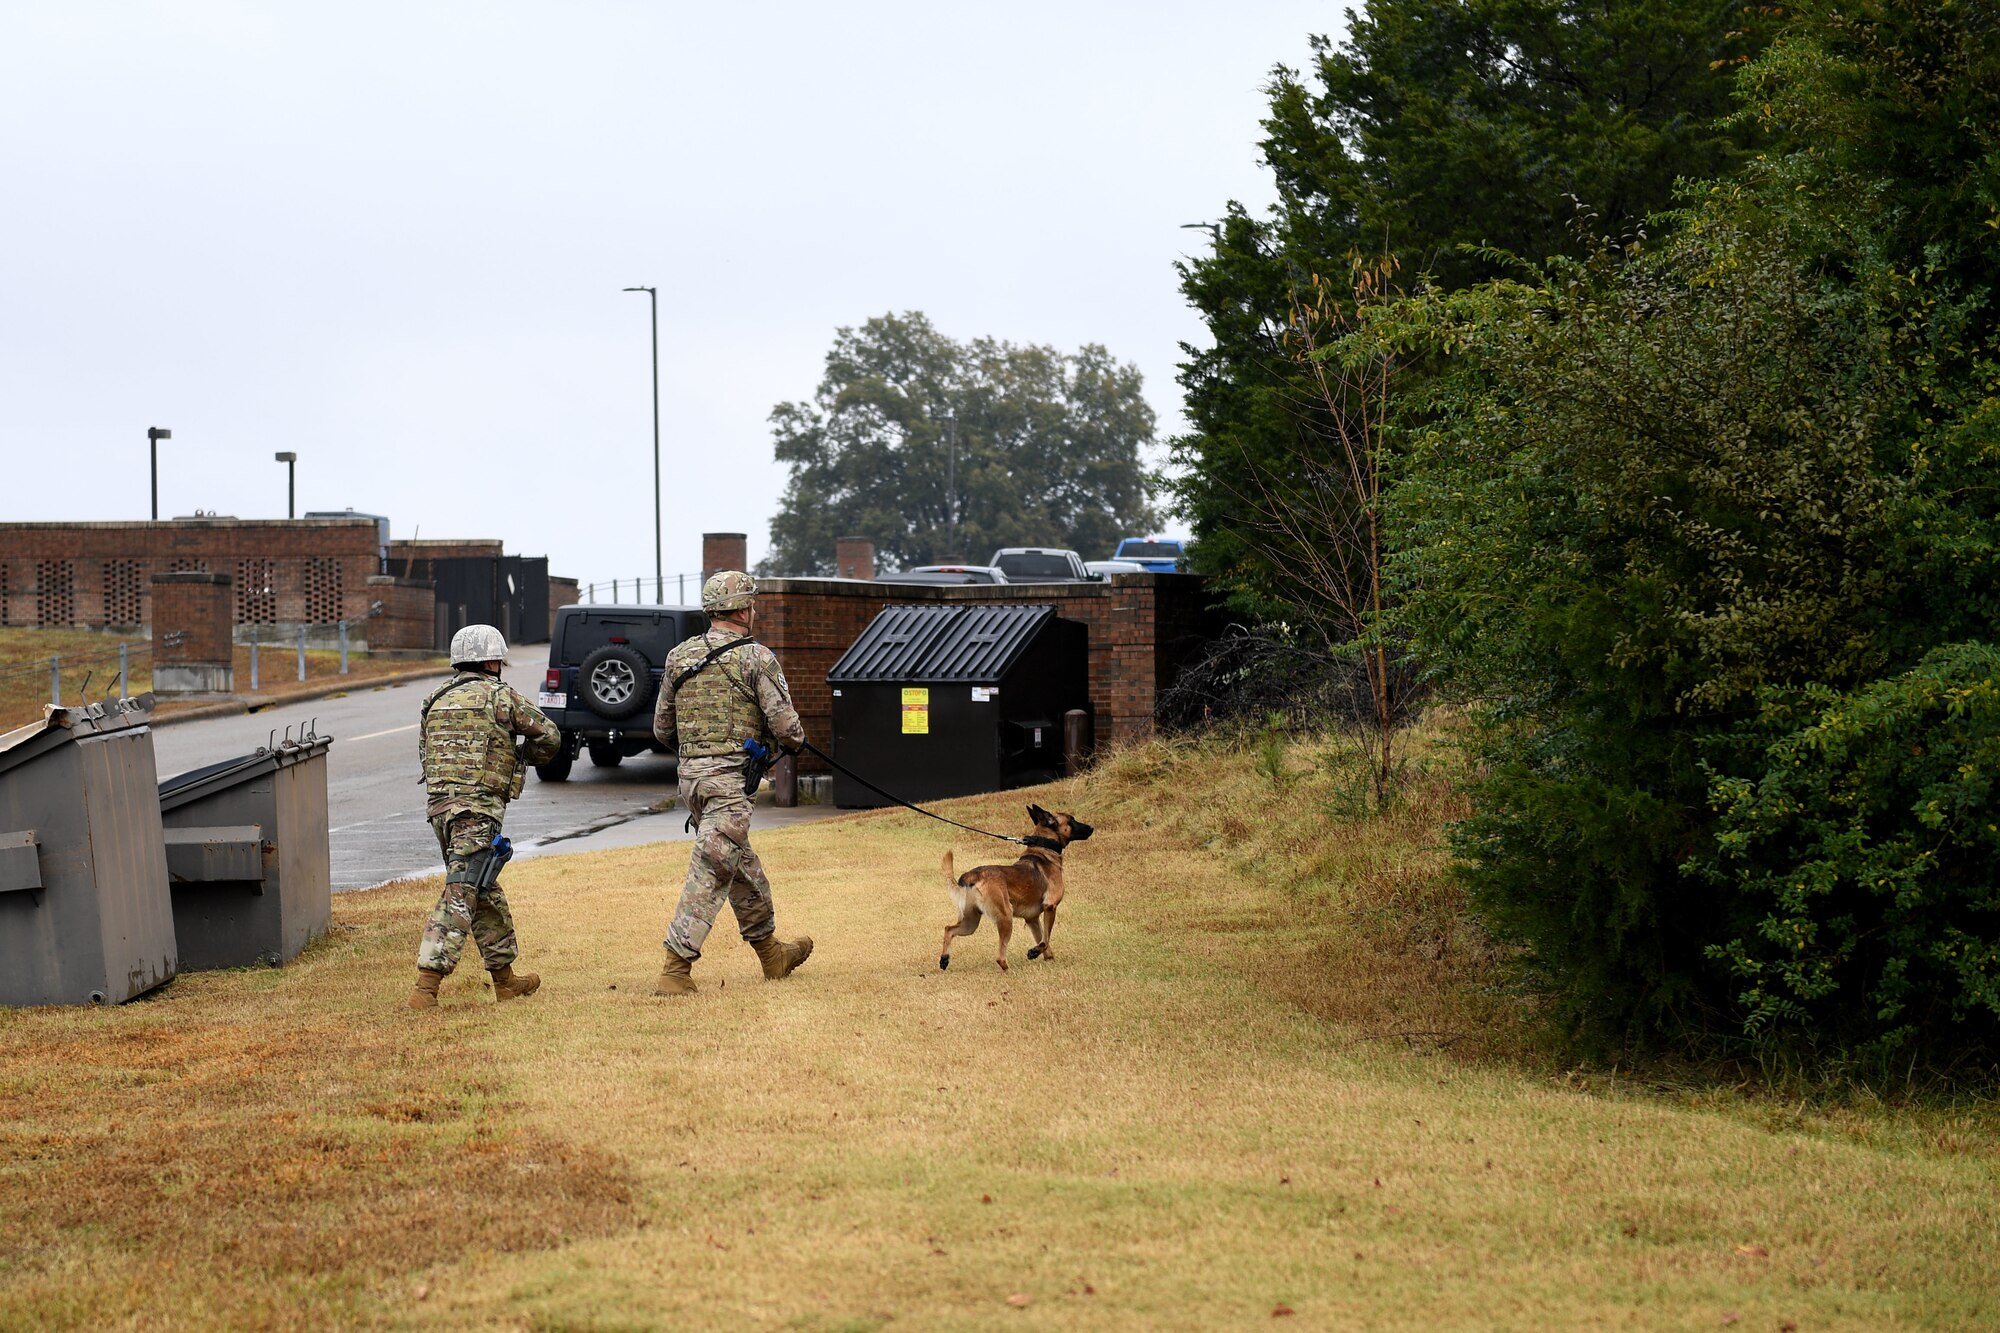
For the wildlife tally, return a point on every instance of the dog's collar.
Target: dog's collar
(1046, 844)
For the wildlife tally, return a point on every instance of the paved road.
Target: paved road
(376, 804)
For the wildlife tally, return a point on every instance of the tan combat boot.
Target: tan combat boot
(507, 983)
(676, 976)
(425, 996)
(781, 958)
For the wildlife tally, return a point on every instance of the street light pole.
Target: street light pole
(289, 459)
(951, 482)
(659, 568)
(154, 435)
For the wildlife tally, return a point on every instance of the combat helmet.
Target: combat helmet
(731, 590)
(477, 643)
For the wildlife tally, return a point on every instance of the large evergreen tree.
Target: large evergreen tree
(1707, 533)
(1449, 134)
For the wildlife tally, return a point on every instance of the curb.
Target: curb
(264, 703)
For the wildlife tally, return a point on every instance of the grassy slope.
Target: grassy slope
(1199, 1112)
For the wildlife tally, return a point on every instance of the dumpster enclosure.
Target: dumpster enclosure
(954, 699)
(247, 855)
(84, 913)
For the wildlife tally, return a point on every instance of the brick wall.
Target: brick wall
(406, 614)
(411, 559)
(562, 592)
(1142, 627)
(283, 571)
(191, 619)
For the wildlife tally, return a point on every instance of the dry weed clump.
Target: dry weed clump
(1346, 908)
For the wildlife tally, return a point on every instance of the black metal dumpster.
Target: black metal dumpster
(948, 700)
(84, 914)
(247, 855)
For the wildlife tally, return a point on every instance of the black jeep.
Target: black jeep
(604, 674)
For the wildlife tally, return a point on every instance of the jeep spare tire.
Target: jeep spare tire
(616, 680)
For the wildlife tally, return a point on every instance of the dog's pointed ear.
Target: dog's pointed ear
(1041, 817)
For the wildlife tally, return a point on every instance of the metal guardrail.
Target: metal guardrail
(609, 589)
(128, 650)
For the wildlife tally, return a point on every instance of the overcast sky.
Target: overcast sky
(391, 237)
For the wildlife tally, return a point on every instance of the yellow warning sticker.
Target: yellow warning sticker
(916, 711)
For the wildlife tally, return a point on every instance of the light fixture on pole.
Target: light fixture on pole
(154, 434)
(659, 568)
(289, 459)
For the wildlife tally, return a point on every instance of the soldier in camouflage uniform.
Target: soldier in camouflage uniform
(472, 768)
(720, 688)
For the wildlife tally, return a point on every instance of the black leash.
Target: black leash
(908, 805)
(684, 676)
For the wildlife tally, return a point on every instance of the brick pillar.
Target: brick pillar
(854, 558)
(402, 615)
(193, 614)
(723, 550)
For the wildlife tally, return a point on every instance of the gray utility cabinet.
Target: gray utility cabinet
(247, 855)
(84, 914)
(956, 698)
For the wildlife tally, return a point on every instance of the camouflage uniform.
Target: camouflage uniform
(711, 715)
(471, 770)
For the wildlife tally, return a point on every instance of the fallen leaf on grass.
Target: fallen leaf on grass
(1019, 1299)
(1753, 1251)
(986, 1198)
(423, 1290)
(1730, 1317)
(1789, 1326)
(1280, 1311)
(1631, 1230)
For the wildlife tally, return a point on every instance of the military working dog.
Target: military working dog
(1031, 888)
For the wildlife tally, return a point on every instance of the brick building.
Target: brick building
(1142, 628)
(284, 572)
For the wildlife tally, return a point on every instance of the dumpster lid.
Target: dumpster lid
(972, 642)
(196, 783)
(62, 724)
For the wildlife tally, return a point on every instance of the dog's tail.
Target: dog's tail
(948, 876)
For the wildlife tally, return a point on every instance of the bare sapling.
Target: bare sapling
(1319, 523)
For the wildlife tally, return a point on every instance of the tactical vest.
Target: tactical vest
(466, 750)
(712, 714)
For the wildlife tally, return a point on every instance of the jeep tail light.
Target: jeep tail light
(552, 682)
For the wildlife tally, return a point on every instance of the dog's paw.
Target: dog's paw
(944, 961)
(1035, 951)
(1003, 964)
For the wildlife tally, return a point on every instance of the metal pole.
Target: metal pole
(302, 652)
(659, 578)
(291, 474)
(153, 447)
(683, 598)
(659, 575)
(55, 681)
(253, 661)
(123, 663)
(343, 647)
(951, 484)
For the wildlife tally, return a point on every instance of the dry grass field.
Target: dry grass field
(90, 668)
(1266, 1077)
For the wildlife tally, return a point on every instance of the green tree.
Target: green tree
(1444, 133)
(1047, 444)
(1708, 533)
